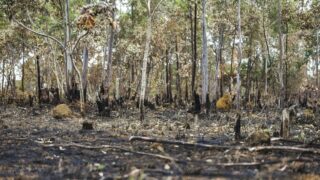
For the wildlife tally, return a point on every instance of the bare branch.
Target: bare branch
(154, 10)
(40, 34)
(285, 148)
(109, 147)
(209, 146)
(78, 40)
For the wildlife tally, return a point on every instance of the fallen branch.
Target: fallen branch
(110, 147)
(261, 163)
(209, 146)
(285, 148)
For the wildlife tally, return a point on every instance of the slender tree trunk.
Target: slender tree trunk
(67, 53)
(38, 79)
(194, 61)
(240, 57)
(268, 59)
(108, 68)
(168, 77)
(204, 63)
(178, 87)
(3, 75)
(221, 42)
(85, 67)
(85, 72)
(231, 64)
(281, 92)
(249, 69)
(317, 60)
(145, 62)
(192, 46)
(22, 69)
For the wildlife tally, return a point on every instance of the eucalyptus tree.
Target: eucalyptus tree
(204, 62)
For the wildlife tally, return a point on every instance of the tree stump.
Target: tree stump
(285, 123)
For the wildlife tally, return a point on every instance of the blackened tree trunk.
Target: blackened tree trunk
(85, 72)
(168, 78)
(38, 79)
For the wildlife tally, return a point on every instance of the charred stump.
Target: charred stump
(237, 128)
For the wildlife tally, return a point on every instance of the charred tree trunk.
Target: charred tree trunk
(85, 72)
(168, 78)
(38, 79)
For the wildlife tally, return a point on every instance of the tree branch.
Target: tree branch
(209, 146)
(78, 40)
(40, 34)
(109, 147)
(285, 148)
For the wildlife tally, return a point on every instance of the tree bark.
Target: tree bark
(168, 77)
(240, 57)
(22, 69)
(145, 62)
(85, 72)
(281, 89)
(232, 61)
(38, 79)
(317, 60)
(194, 60)
(269, 57)
(204, 54)
(178, 87)
(249, 69)
(108, 68)
(67, 53)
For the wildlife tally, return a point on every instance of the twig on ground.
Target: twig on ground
(260, 163)
(209, 146)
(110, 147)
(285, 148)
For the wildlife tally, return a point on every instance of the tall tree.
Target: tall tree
(240, 57)
(194, 48)
(204, 62)
(145, 61)
(108, 59)
(67, 53)
(281, 54)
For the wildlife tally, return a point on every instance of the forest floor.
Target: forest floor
(34, 145)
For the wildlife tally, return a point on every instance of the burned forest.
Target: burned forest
(159, 89)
